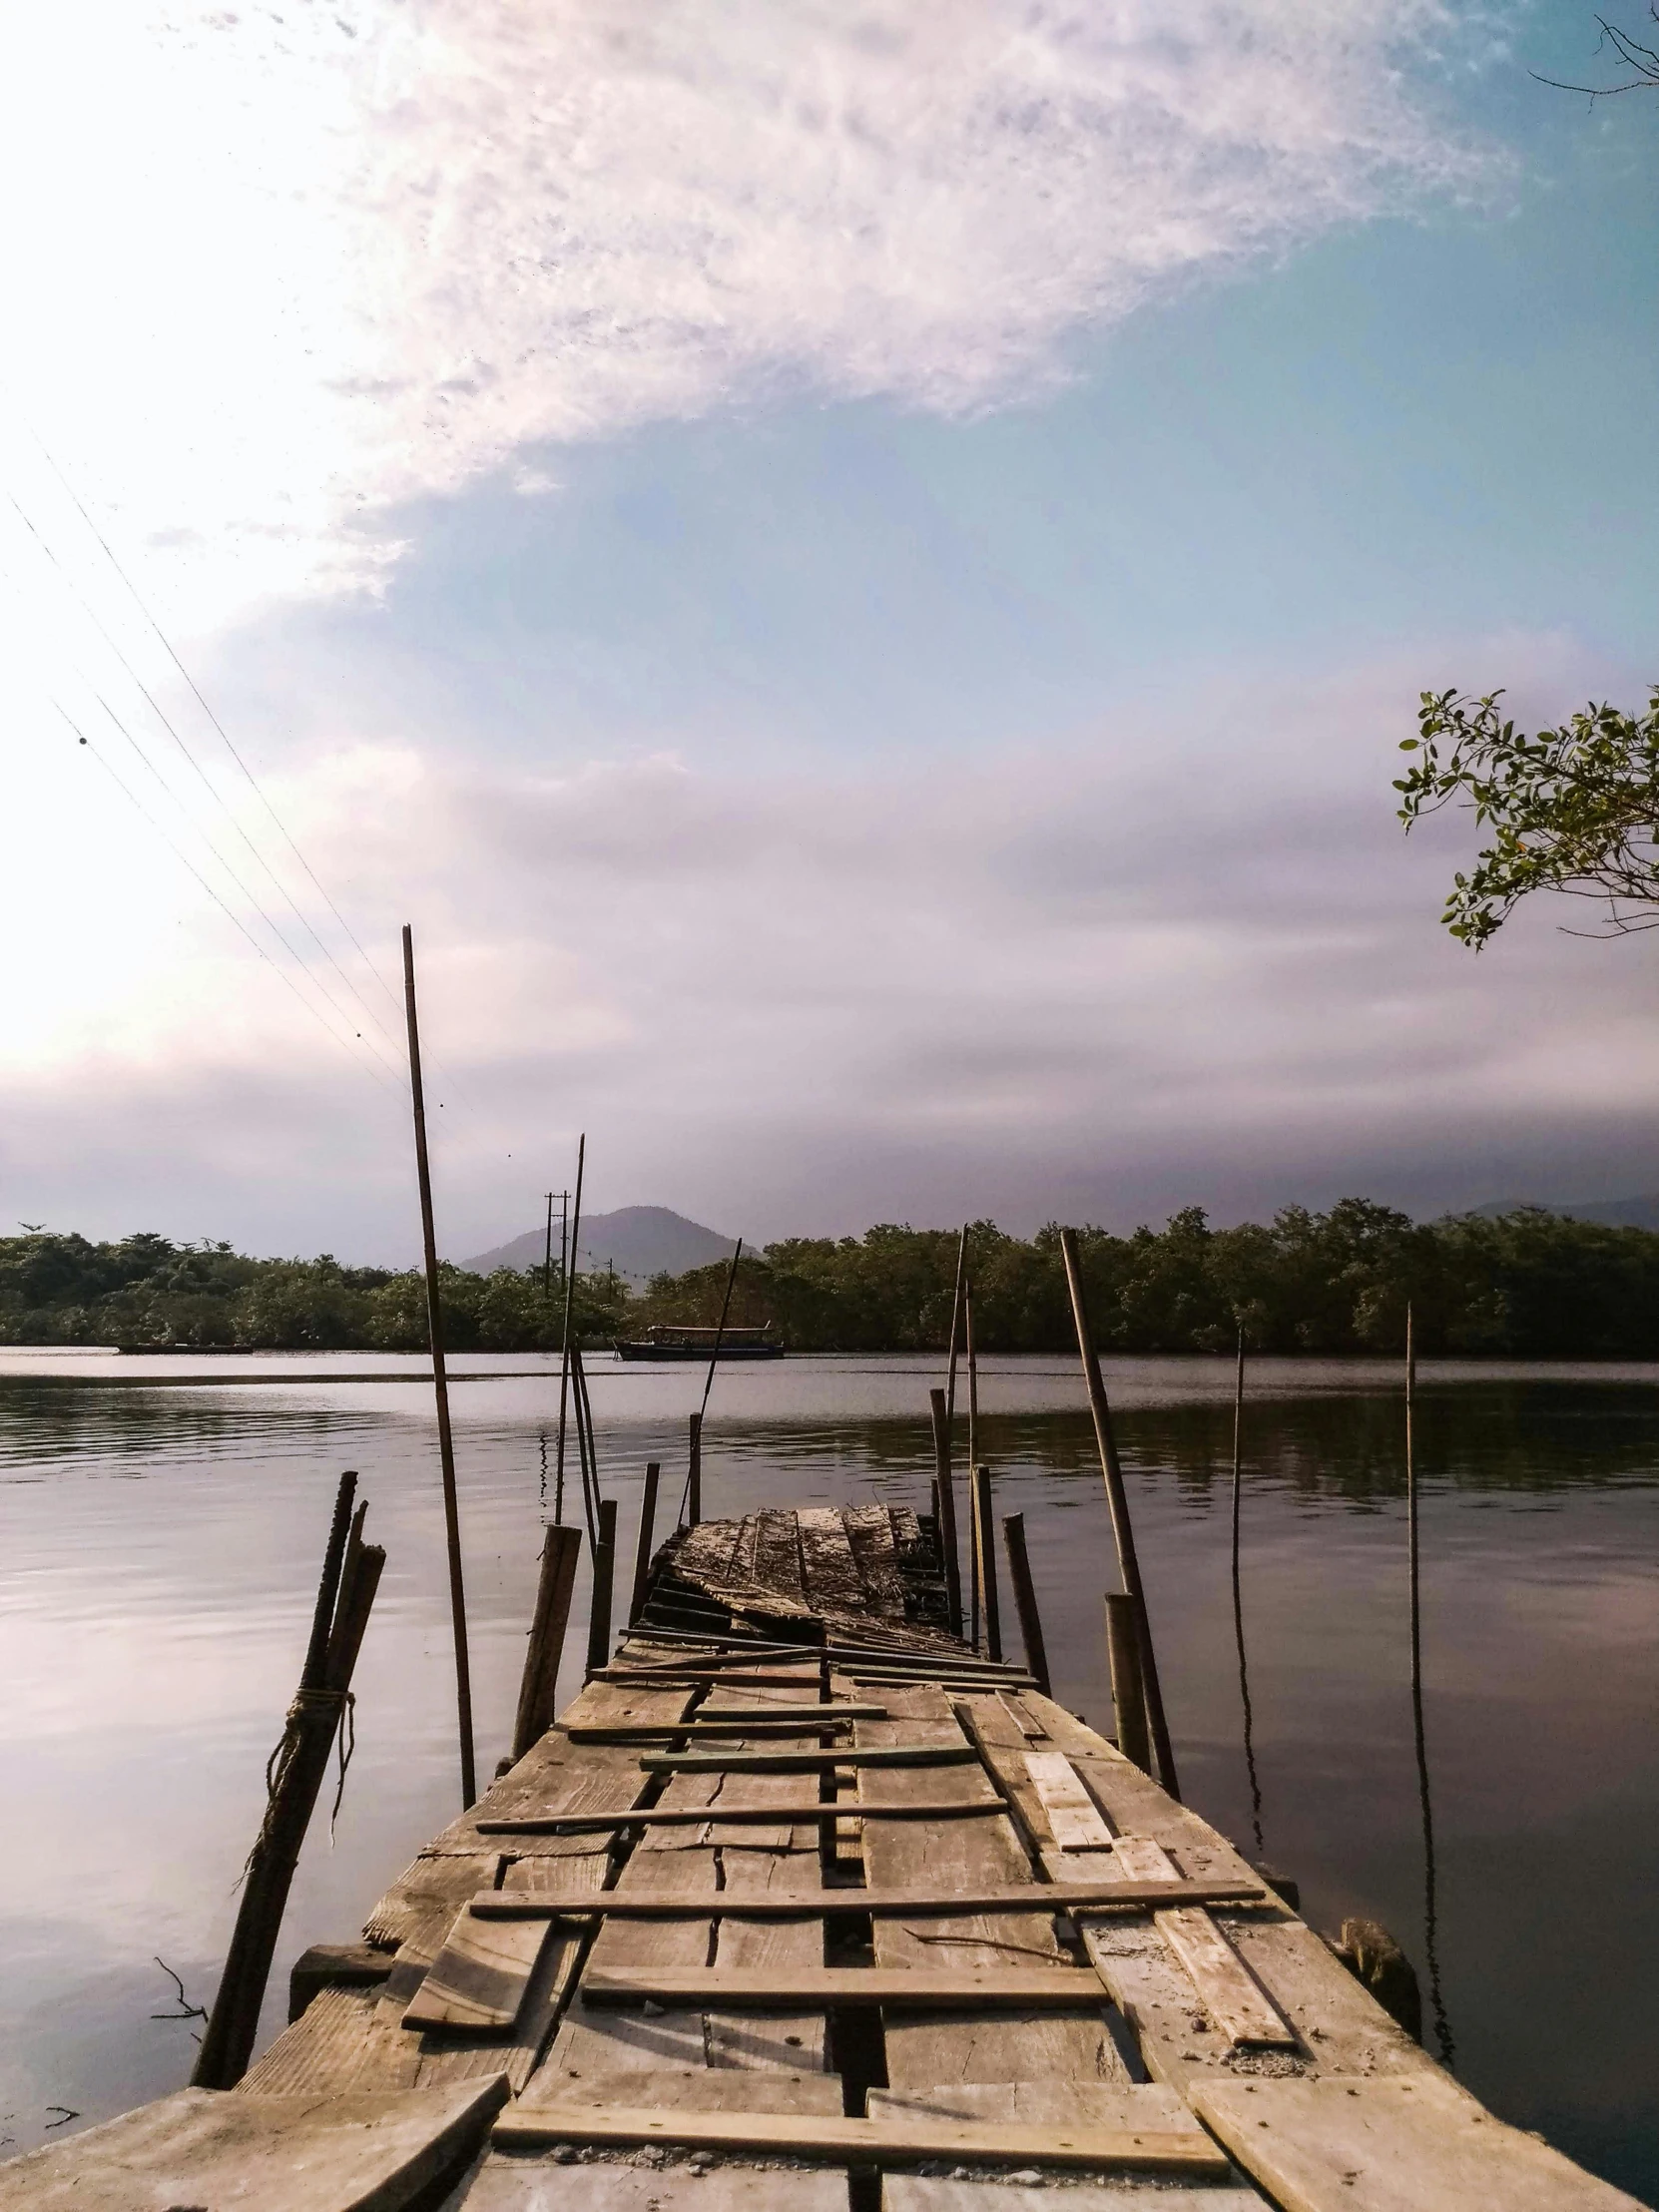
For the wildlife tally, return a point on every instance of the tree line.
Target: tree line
(1528, 1284)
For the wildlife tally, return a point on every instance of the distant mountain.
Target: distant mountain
(1617, 1212)
(638, 1241)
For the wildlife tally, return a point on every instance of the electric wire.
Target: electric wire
(228, 910)
(201, 775)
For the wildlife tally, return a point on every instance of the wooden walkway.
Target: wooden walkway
(801, 1903)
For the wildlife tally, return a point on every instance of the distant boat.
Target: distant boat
(665, 1342)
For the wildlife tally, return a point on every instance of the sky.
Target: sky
(855, 573)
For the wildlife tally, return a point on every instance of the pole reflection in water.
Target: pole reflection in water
(1238, 1602)
(1431, 1911)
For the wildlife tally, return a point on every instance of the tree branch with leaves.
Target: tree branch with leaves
(1572, 809)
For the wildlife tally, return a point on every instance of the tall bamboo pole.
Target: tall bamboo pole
(944, 1489)
(564, 1333)
(985, 1532)
(1118, 1502)
(1025, 1599)
(642, 1556)
(1238, 1598)
(977, 1538)
(441, 1386)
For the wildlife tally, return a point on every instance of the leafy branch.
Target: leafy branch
(1572, 809)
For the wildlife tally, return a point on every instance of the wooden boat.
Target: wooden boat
(802, 1902)
(666, 1342)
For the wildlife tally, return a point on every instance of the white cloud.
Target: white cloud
(280, 269)
(1089, 981)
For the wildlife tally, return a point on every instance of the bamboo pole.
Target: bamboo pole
(586, 1446)
(976, 1538)
(955, 1327)
(694, 1473)
(947, 1509)
(1025, 1599)
(1118, 1502)
(984, 1547)
(604, 1572)
(538, 1691)
(1238, 1600)
(440, 1387)
(350, 1576)
(564, 1333)
(1123, 1652)
(642, 1555)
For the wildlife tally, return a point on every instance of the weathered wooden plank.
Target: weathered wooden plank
(828, 1567)
(869, 1534)
(334, 1966)
(511, 2182)
(692, 1677)
(978, 1855)
(343, 2040)
(1366, 2145)
(778, 1553)
(1227, 1990)
(479, 1979)
(803, 1762)
(361, 2152)
(1074, 1820)
(893, 2136)
(899, 1900)
(908, 1987)
(944, 2193)
(418, 1908)
(730, 1814)
(700, 1730)
(1339, 2026)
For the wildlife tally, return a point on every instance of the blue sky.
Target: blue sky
(884, 728)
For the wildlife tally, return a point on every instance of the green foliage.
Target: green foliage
(1571, 810)
(145, 1291)
(1529, 1285)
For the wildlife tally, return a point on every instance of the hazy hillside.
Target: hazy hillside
(638, 1241)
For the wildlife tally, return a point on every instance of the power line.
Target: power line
(201, 775)
(166, 645)
(229, 911)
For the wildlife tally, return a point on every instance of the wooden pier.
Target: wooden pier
(803, 1904)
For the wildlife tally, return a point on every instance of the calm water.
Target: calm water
(163, 1525)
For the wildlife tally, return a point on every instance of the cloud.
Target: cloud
(1098, 980)
(284, 269)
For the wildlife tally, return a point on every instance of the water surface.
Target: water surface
(164, 1519)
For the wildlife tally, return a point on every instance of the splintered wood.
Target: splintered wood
(745, 1929)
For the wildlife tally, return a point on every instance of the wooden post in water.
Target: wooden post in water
(1123, 1651)
(642, 1555)
(1118, 1502)
(440, 1387)
(350, 1576)
(604, 1572)
(538, 1692)
(977, 1538)
(947, 1509)
(985, 1553)
(1025, 1599)
(694, 1473)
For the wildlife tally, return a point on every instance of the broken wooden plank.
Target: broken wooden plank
(1075, 1820)
(203, 2147)
(895, 2135)
(909, 1987)
(1227, 1989)
(658, 1816)
(479, 1979)
(878, 1901)
(1368, 2145)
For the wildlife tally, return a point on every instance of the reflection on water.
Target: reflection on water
(161, 1528)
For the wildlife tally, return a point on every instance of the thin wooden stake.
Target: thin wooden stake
(604, 1571)
(1118, 1501)
(575, 1225)
(642, 1556)
(1025, 1599)
(1238, 1602)
(977, 1538)
(694, 1473)
(539, 1689)
(1123, 1651)
(547, 1253)
(984, 1547)
(350, 1576)
(947, 1509)
(440, 1387)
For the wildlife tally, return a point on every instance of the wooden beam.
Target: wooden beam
(538, 1694)
(864, 2142)
(803, 1762)
(692, 1678)
(899, 1903)
(777, 1723)
(767, 1815)
(723, 1988)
